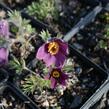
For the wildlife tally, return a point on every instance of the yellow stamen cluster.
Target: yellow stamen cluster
(53, 48)
(56, 74)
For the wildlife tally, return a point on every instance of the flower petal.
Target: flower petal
(53, 82)
(49, 60)
(41, 53)
(63, 78)
(63, 46)
(60, 58)
(3, 56)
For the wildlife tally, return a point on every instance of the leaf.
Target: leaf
(69, 66)
(23, 31)
(42, 9)
(34, 82)
(45, 35)
(16, 65)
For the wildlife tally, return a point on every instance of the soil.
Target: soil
(93, 42)
(9, 100)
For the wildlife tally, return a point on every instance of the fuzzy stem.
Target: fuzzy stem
(25, 68)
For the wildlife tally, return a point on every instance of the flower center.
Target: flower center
(56, 74)
(53, 48)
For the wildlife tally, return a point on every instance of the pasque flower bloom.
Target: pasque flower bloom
(4, 34)
(53, 52)
(57, 76)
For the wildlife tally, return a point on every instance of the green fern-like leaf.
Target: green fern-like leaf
(68, 67)
(23, 26)
(45, 35)
(16, 65)
(23, 31)
(43, 9)
(33, 83)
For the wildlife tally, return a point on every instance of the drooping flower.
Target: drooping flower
(4, 35)
(53, 52)
(57, 76)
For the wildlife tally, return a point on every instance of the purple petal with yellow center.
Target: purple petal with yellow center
(49, 60)
(63, 46)
(53, 53)
(63, 78)
(53, 82)
(56, 76)
(61, 57)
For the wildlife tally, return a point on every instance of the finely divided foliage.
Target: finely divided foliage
(53, 53)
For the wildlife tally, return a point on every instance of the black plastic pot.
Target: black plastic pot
(88, 42)
(103, 88)
(74, 51)
(83, 22)
(96, 96)
(99, 72)
(79, 29)
(17, 95)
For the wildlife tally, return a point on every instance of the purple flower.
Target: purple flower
(4, 33)
(3, 56)
(4, 28)
(57, 76)
(53, 52)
